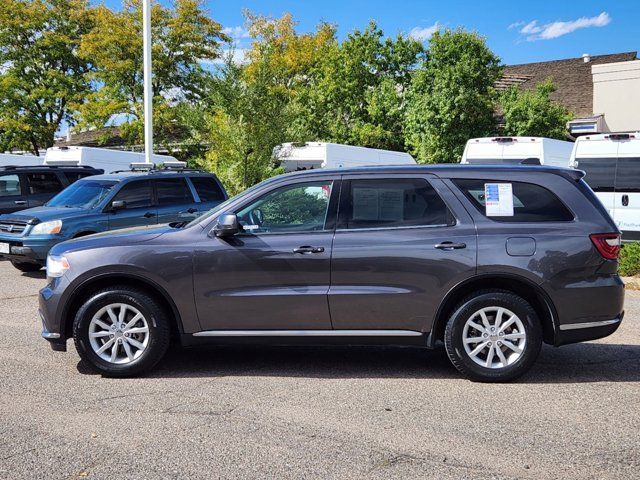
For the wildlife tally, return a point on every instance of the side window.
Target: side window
(46, 182)
(172, 191)
(10, 186)
(301, 207)
(600, 173)
(75, 176)
(207, 188)
(403, 202)
(531, 203)
(628, 175)
(136, 194)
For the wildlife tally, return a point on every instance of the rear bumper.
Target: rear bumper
(582, 332)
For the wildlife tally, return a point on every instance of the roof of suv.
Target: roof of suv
(27, 168)
(120, 176)
(451, 170)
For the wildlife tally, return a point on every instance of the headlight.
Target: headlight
(47, 228)
(57, 265)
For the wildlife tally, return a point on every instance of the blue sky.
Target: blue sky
(518, 31)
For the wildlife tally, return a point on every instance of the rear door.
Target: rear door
(139, 210)
(12, 192)
(42, 186)
(175, 200)
(402, 242)
(627, 189)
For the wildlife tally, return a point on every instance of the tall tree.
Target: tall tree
(42, 77)
(356, 92)
(250, 111)
(533, 113)
(452, 97)
(183, 35)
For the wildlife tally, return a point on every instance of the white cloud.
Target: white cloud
(238, 55)
(236, 32)
(534, 31)
(422, 34)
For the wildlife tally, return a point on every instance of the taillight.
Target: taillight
(608, 244)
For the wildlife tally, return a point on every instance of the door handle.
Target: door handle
(308, 249)
(625, 200)
(20, 202)
(450, 246)
(149, 215)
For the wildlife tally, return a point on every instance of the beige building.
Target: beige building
(616, 95)
(601, 91)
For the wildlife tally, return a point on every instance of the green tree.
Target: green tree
(42, 77)
(452, 97)
(533, 113)
(183, 36)
(356, 92)
(250, 111)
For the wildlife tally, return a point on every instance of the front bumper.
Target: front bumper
(50, 309)
(25, 249)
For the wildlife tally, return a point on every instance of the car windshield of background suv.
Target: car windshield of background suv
(83, 194)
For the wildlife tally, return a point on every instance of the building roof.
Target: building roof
(100, 137)
(571, 77)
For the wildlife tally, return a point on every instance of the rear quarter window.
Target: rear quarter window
(531, 202)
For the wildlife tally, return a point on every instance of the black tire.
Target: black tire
(158, 323)
(27, 266)
(453, 337)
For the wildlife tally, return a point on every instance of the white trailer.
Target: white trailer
(101, 158)
(517, 150)
(312, 155)
(612, 165)
(7, 159)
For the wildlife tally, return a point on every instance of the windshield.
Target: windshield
(82, 194)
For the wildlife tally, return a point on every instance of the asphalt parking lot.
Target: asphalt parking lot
(258, 412)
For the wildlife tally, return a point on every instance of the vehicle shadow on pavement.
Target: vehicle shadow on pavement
(39, 274)
(586, 362)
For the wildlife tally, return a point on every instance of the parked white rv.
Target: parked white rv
(102, 158)
(517, 150)
(311, 155)
(612, 165)
(19, 160)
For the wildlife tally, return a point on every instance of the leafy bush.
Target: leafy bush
(630, 259)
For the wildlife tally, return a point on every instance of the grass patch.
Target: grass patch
(630, 259)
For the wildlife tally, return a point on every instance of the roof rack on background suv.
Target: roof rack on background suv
(18, 167)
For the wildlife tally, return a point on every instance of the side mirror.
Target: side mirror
(226, 226)
(118, 205)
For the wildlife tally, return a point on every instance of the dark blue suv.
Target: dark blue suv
(106, 202)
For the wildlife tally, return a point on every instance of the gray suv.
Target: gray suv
(491, 260)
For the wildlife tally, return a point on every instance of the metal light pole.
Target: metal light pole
(148, 92)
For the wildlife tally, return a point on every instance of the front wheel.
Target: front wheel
(27, 266)
(493, 336)
(121, 332)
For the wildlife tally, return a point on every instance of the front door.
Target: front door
(12, 193)
(139, 208)
(401, 243)
(275, 275)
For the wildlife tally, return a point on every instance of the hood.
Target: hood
(44, 214)
(124, 237)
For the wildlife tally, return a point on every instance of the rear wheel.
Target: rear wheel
(121, 332)
(493, 336)
(27, 266)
